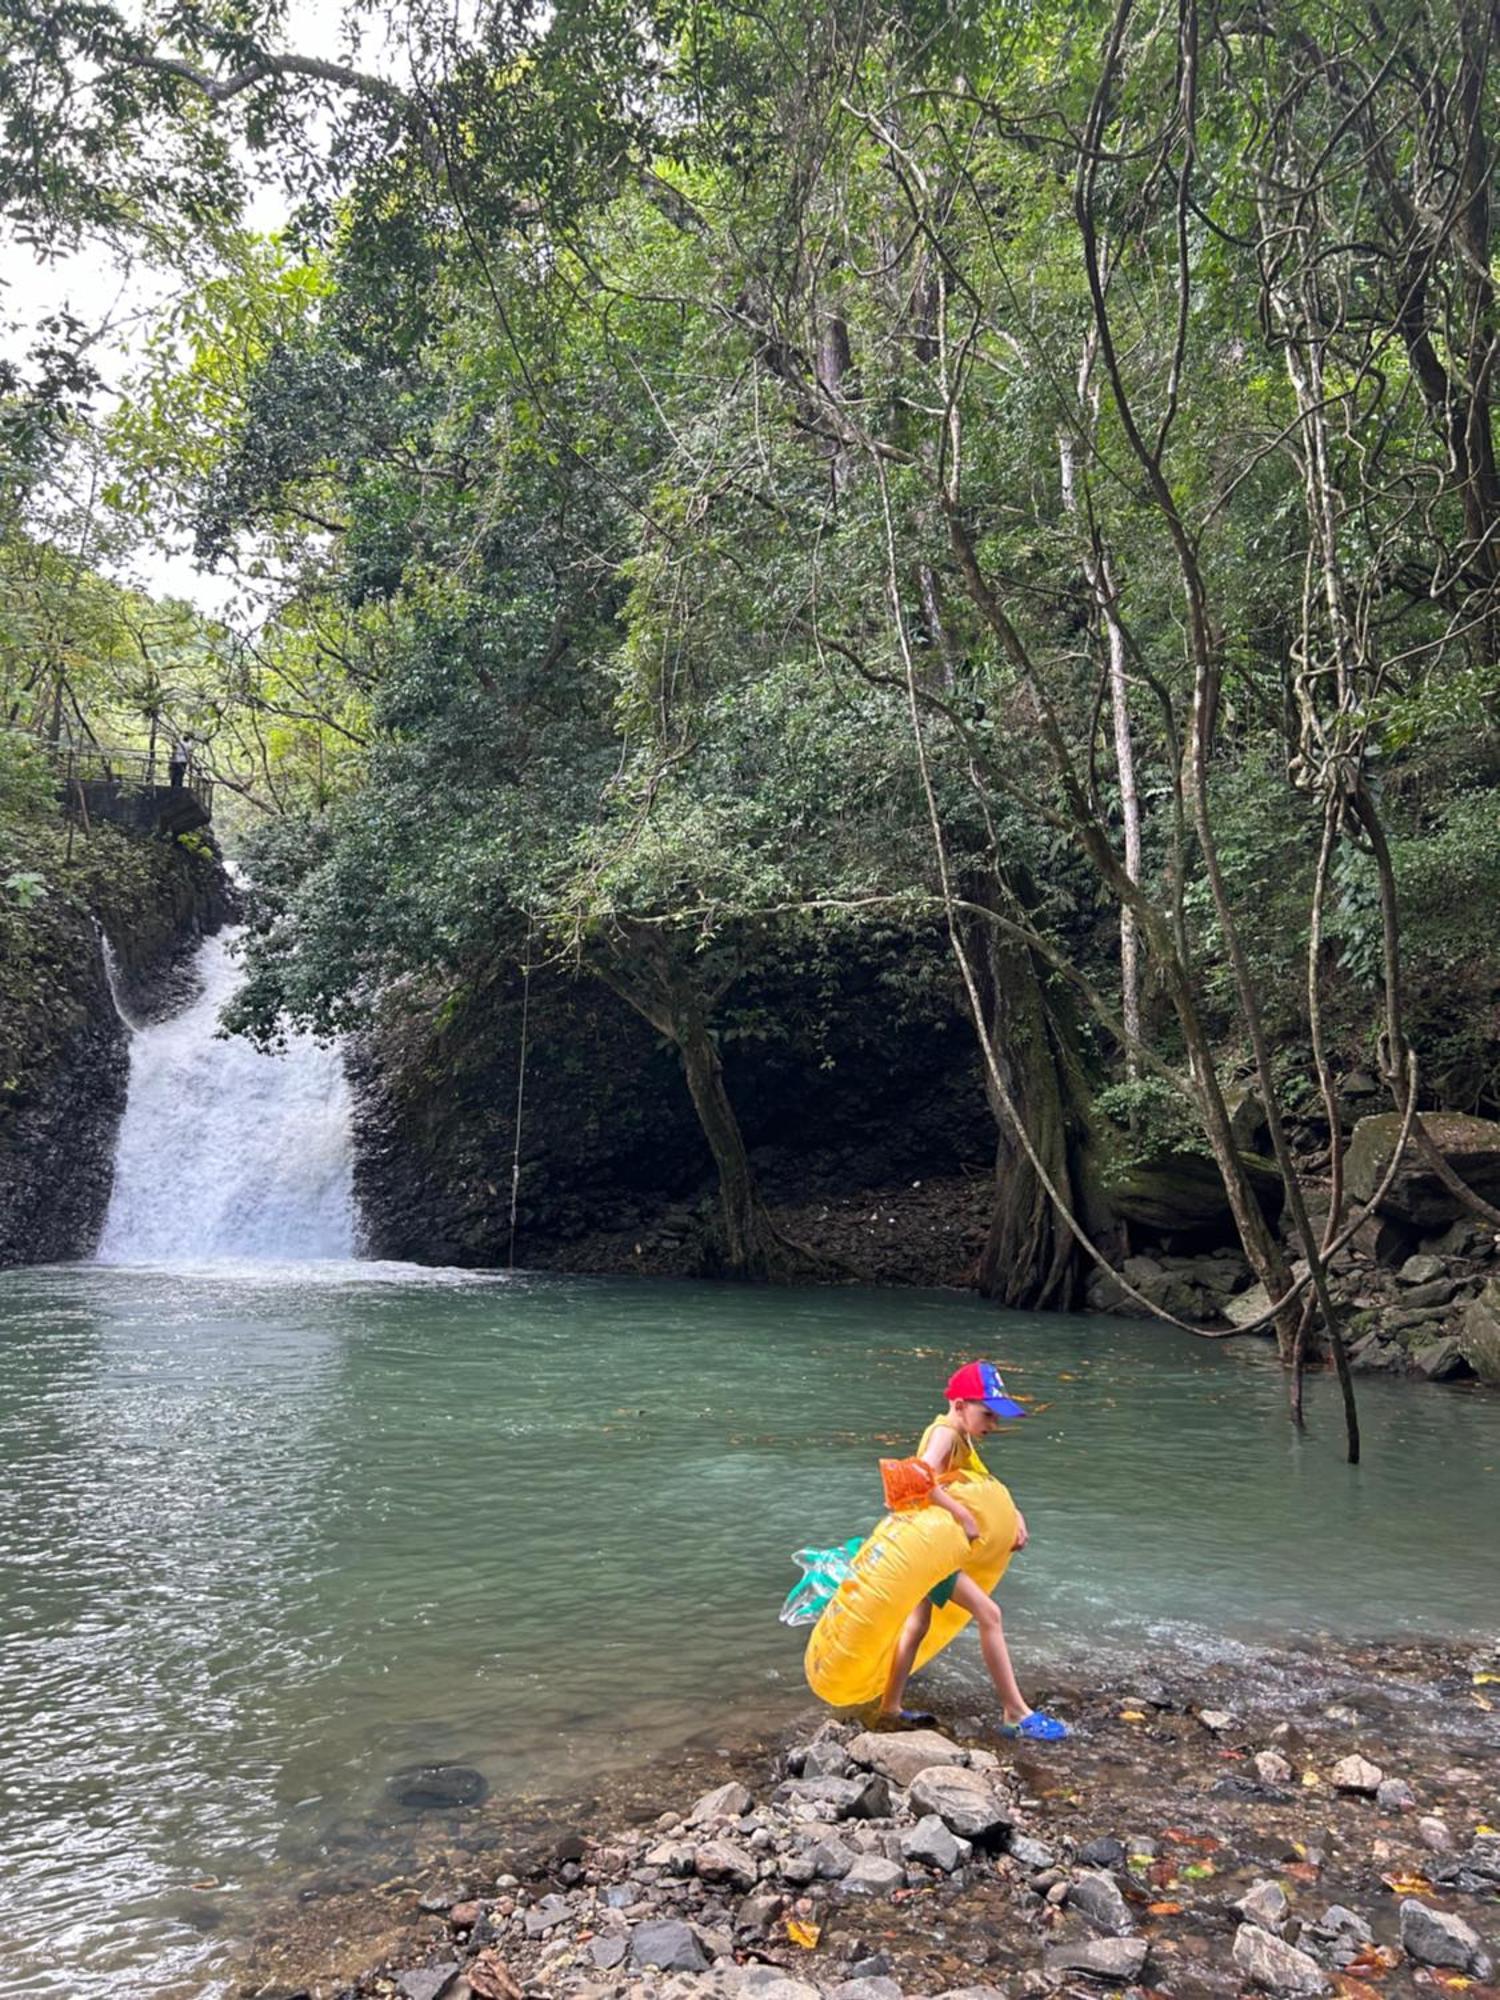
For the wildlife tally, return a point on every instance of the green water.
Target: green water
(267, 1536)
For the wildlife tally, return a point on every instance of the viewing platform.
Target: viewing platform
(131, 788)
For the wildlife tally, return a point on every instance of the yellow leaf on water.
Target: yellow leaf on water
(1407, 1885)
(1482, 1828)
(1486, 1680)
(1455, 1981)
(1311, 1779)
(805, 1934)
(1132, 1715)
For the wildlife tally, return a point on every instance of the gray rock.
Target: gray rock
(965, 1801)
(1432, 1937)
(1105, 1852)
(757, 1913)
(900, 1757)
(1416, 1196)
(1121, 1959)
(831, 1860)
(1216, 1719)
(1435, 1834)
(873, 1875)
(1271, 1768)
(608, 1952)
(777, 1986)
(1265, 1904)
(974, 1993)
(875, 1987)
(667, 1945)
(1339, 1922)
(821, 1760)
(675, 1857)
(1440, 1360)
(722, 1861)
(839, 1798)
(1422, 1270)
(1031, 1853)
(1357, 1774)
(931, 1843)
(545, 1916)
(1249, 1305)
(1394, 1795)
(426, 1982)
(1098, 1896)
(1479, 1333)
(1274, 1964)
(729, 1801)
(1483, 1858)
(1436, 1292)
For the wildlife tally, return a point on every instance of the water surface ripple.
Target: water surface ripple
(268, 1534)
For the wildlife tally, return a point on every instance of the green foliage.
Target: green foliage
(1152, 1117)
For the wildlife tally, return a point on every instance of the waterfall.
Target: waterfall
(225, 1152)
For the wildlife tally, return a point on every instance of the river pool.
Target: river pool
(270, 1534)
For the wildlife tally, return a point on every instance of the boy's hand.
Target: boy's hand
(967, 1522)
(1022, 1537)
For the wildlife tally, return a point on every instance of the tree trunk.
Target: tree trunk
(1030, 1257)
(751, 1247)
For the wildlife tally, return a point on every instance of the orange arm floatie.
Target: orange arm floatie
(908, 1482)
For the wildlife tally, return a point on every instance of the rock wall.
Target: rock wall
(854, 1091)
(64, 1059)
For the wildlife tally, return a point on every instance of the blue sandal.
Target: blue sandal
(1038, 1727)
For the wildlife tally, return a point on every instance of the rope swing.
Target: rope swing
(515, 1158)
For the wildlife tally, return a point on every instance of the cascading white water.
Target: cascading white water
(227, 1153)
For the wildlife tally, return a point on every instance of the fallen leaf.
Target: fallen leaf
(1352, 1989)
(1164, 1909)
(1131, 1715)
(1311, 1780)
(1486, 1680)
(1458, 1982)
(1482, 1701)
(1162, 1875)
(490, 1977)
(1198, 1871)
(1372, 1962)
(1300, 1871)
(805, 1934)
(1482, 1828)
(1407, 1885)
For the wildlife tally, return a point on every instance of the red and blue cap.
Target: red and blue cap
(979, 1382)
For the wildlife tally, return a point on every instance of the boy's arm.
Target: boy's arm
(937, 1456)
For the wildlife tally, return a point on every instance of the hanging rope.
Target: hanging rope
(515, 1158)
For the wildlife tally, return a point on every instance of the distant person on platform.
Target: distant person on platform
(177, 764)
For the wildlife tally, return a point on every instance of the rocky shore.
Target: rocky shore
(1319, 1821)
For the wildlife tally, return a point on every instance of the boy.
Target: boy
(976, 1404)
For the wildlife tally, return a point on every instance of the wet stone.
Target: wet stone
(839, 1798)
(1276, 1966)
(1432, 1937)
(1264, 1904)
(966, 1802)
(426, 1982)
(1104, 1853)
(873, 1875)
(1395, 1795)
(1122, 1959)
(1031, 1853)
(730, 1801)
(1099, 1899)
(931, 1843)
(669, 1946)
(1357, 1774)
(900, 1757)
(1339, 1922)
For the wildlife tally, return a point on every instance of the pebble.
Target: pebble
(1031, 1853)
(1395, 1795)
(1274, 1964)
(1434, 1834)
(1433, 1937)
(839, 1798)
(1271, 1768)
(729, 1801)
(873, 1875)
(1216, 1719)
(1357, 1774)
(930, 1841)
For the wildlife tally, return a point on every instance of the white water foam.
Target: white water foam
(226, 1153)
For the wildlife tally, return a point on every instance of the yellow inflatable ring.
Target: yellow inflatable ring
(849, 1651)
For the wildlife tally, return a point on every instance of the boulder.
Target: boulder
(1181, 1195)
(931, 1843)
(965, 1801)
(1249, 1305)
(667, 1945)
(1479, 1333)
(1119, 1960)
(1440, 1360)
(1272, 1963)
(1098, 1897)
(1416, 1196)
(900, 1757)
(1432, 1937)
(1421, 1270)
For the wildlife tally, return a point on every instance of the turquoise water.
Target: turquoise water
(267, 1536)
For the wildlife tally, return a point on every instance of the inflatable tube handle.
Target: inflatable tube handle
(908, 1482)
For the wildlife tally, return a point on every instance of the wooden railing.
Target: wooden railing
(89, 775)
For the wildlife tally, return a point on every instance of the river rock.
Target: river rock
(426, 1982)
(1182, 1194)
(1102, 1852)
(757, 1913)
(1121, 1959)
(1271, 1768)
(1432, 1937)
(1416, 1196)
(931, 1843)
(1272, 1963)
(874, 1987)
(730, 1801)
(674, 1857)
(1421, 1270)
(1031, 1853)
(775, 1986)
(722, 1861)
(1098, 1896)
(900, 1757)
(1440, 1360)
(839, 1798)
(1394, 1795)
(831, 1860)
(819, 1760)
(608, 1952)
(667, 1945)
(1339, 1922)
(966, 1801)
(1357, 1774)
(1435, 1834)
(437, 1787)
(1479, 1333)
(873, 1875)
(1265, 1904)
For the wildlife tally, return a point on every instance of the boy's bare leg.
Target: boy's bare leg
(913, 1632)
(986, 1615)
